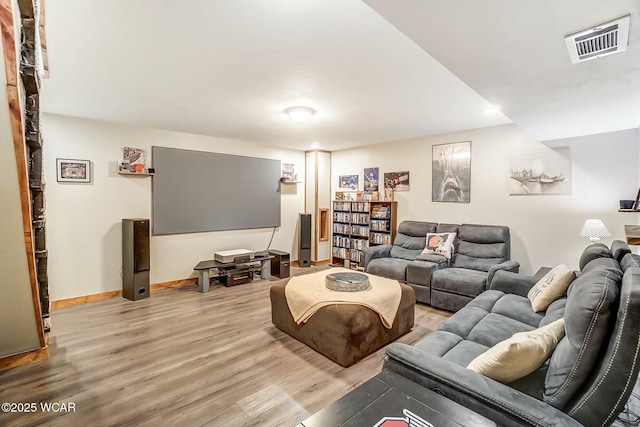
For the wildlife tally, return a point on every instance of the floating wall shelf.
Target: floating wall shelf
(136, 173)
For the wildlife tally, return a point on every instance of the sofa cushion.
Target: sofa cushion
(489, 311)
(410, 239)
(439, 342)
(590, 308)
(519, 355)
(593, 251)
(486, 300)
(630, 260)
(463, 353)
(416, 228)
(603, 265)
(550, 287)
(407, 247)
(494, 328)
(462, 324)
(554, 312)
(447, 228)
(478, 233)
(518, 308)
(619, 249)
(451, 347)
(461, 260)
(391, 268)
(481, 246)
(403, 253)
(460, 281)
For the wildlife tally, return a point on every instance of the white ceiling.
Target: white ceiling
(513, 54)
(229, 68)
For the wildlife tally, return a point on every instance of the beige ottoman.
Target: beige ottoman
(344, 333)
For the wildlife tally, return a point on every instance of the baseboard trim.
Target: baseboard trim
(22, 358)
(84, 299)
(113, 294)
(173, 283)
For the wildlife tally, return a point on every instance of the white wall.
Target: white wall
(544, 229)
(84, 220)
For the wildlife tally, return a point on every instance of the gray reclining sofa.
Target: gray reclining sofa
(591, 372)
(479, 251)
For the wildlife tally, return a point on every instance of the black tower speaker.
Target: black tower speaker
(304, 240)
(135, 258)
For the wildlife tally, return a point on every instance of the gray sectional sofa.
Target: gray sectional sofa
(589, 375)
(480, 251)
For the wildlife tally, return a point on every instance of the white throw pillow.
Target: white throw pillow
(552, 286)
(519, 355)
(440, 243)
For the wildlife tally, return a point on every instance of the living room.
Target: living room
(83, 220)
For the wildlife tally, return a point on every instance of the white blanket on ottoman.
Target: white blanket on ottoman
(307, 294)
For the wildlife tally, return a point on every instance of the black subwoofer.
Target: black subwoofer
(136, 258)
(304, 240)
(280, 263)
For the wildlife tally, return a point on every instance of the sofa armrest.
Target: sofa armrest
(509, 265)
(419, 272)
(494, 400)
(378, 251)
(512, 283)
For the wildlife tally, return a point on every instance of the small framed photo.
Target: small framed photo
(72, 170)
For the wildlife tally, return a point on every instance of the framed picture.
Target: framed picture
(133, 160)
(289, 172)
(348, 182)
(451, 172)
(371, 179)
(540, 173)
(397, 181)
(72, 170)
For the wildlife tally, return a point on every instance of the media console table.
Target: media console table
(212, 269)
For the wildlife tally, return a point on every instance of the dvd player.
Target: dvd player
(230, 256)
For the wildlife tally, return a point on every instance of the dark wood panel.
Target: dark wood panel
(8, 34)
(182, 357)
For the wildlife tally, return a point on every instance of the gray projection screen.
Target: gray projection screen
(196, 191)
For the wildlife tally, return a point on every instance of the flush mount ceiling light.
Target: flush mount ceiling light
(492, 109)
(300, 114)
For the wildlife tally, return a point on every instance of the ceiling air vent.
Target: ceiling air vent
(601, 40)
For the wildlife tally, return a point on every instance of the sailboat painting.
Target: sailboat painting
(544, 172)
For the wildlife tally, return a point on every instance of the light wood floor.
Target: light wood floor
(182, 358)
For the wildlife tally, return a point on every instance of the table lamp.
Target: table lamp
(594, 229)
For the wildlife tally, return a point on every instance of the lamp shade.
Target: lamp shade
(594, 229)
(300, 114)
